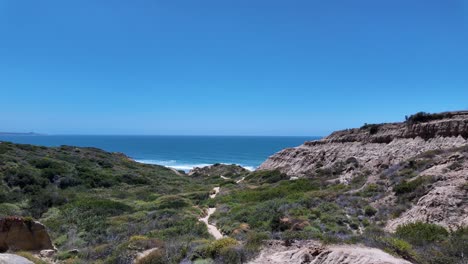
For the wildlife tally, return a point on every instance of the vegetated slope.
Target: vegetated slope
(399, 187)
(103, 204)
(112, 208)
(385, 154)
(416, 209)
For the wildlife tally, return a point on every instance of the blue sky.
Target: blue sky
(243, 67)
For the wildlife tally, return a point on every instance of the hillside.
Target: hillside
(374, 147)
(426, 154)
(368, 195)
(100, 206)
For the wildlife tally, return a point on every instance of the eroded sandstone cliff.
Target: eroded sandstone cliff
(372, 147)
(418, 169)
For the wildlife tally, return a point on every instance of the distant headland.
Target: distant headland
(20, 134)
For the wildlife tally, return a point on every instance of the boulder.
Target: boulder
(11, 258)
(314, 252)
(17, 233)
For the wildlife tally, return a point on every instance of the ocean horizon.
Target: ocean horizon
(178, 152)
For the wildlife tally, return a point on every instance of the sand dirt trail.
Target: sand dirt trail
(212, 229)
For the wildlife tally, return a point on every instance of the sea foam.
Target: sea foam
(183, 166)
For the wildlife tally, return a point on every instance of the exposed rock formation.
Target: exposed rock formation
(379, 152)
(218, 170)
(13, 259)
(312, 252)
(446, 203)
(19, 234)
(370, 148)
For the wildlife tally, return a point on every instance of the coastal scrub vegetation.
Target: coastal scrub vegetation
(111, 208)
(99, 202)
(422, 117)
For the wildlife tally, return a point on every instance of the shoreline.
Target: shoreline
(187, 166)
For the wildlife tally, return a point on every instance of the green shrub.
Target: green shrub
(231, 255)
(400, 248)
(93, 206)
(30, 257)
(26, 178)
(172, 201)
(265, 176)
(255, 240)
(373, 128)
(420, 233)
(358, 181)
(456, 165)
(7, 209)
(370, 211)
(422, 117)
(216, 247)
(408, 186)
(155, 257)
(371, 190)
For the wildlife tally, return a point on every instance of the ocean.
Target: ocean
(179, 152)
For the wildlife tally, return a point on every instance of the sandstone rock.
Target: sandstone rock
(46, 253)
(361, 150)
(374, 151)
(313, 252)
(73, 251)
(446, 203)
(13, 259)
(19, 234)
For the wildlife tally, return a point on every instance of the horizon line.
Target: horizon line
(149, 135)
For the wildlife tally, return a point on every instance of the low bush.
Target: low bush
(422, 117)
(215, 248)
(265, 176)
(371, 190)
(172, 202)
(409, 186)
(255, 240)
(370, 211)
(31, 257)
(373, 128)
(401, 248)
(420, 233)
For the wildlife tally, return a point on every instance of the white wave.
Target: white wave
(183, 166)
(249, 168)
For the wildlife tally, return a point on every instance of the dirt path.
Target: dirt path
(144, 254)
(226, 178)
(241, 180)
(212, 229)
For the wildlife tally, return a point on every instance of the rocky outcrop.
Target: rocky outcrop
(13, 259)
(371, 148)
(218, 170)
(389, 154)
(446, 203)
(17, 233)
(302, 252)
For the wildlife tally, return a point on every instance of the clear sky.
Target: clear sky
(230, 67)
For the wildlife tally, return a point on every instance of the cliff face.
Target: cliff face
(372, 147)
(419, 169)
